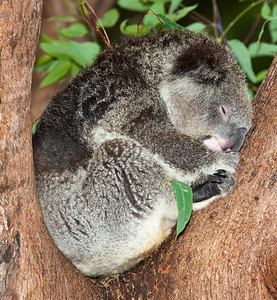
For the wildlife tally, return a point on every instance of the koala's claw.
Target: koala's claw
(220, 182)
(221, 172)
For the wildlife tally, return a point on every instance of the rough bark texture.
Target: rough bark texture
(228, 251)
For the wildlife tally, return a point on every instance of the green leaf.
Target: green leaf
(82, 53)
(242, 54)
(45, 38)
(133, 5)
(183, 194)
(110, 18)
(85, 53)
(251, 94)
(266, 11)
(44, 67)
(34, 127)
(63, 18)
(132, 29)
(59, 71)
(59, 49)
(262, 49)
(179, 14)
(156, 1)
(197, 27)
(169, 24)
(150, 19)
(174, 5)
(75, 70)
(75, 30)
(260, 76)
(43, 60)
(272, 26)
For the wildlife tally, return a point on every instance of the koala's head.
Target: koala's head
(206, 95)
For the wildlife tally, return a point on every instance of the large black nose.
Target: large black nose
(239, 139)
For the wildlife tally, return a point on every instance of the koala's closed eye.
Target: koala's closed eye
(171, 105)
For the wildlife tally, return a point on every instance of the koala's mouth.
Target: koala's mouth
(232, 144)
(216, 144)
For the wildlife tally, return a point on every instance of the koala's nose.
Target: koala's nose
(239, 139)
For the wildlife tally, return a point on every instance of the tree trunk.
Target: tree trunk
(228, 250)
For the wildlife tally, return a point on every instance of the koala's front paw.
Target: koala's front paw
(219, 183)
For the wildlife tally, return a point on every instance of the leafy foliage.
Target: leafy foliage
(70, 55)
(66, 55)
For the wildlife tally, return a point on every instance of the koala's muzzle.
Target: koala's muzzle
(238, 139)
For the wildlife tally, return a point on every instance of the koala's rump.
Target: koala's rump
(110, 215)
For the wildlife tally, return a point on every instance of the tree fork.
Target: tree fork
(228, 250)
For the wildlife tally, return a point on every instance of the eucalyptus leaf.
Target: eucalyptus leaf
(150, 19)
(75, 70)
(174, 5)
(251, 94)
(110, 18)
(197, 27)
(169, 24)
(45, 38)
(59, 49)
(183, 195)
(260, 76)
(156, 1)
(272, 26)
(44, 67)
(181, 13)
(75, 30)
(133, 5)
(262, 49)
(63, 18)
(59, 71)
(242, 54)
(34, 127)
(133, 29)
(84, 53)
(43, 60)
(266, 11)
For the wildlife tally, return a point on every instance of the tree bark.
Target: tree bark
(228, 250)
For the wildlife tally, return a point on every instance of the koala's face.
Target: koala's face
(219, 115)
(228, 118)
(206, 97)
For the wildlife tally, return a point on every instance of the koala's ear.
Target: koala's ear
(204, 61)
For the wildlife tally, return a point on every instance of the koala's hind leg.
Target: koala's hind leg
(219, 183)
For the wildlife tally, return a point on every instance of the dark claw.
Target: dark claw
(221, 172)
(205, 191)
(209, 188)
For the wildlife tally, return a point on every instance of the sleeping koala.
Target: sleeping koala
(170, 105)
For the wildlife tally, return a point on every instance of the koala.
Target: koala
(157, 107)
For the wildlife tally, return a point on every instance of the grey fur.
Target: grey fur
(144, 113)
